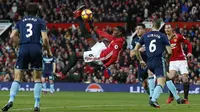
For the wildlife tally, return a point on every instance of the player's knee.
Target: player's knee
(37, 75)
(17, 75)
(161, 81)
(171, 75)
(185, 78)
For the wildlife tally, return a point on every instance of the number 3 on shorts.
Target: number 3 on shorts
(152, 46)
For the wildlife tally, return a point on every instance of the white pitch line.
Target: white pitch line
(88, 106)
(81, 106)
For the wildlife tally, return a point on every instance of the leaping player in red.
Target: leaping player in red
(178, 60)
(99, 53)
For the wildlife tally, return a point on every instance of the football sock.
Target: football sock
(13, 90)
(156, 93)
(186, 87)
(172, 88)
(83, 29)
(44, 86)
(151, 85)
(147, 90)
(170, 94)
(72, 62)
(37, 93)
(52, 88)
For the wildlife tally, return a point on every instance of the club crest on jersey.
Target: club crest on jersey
(175, 40)
(94, 88)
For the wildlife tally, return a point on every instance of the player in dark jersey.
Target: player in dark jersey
(143, 73)
(30, 31)
(49, 68)
(156, 43)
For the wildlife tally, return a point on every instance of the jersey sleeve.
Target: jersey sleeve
(166, 41)
(16, 26)
(141, 41)
(104, 34)
(43, 26)
(133, 44)
(185, 41)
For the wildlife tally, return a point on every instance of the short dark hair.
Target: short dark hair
(156, 23)
(142, 25)
(32, 9)
(122, 30)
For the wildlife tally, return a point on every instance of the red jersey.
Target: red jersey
(177, 48)
(110, 54)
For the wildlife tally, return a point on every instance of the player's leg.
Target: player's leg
(183, 68)
(160, 72)
(83, 28)
(170, 77)
(186, 85)
(14, 89)
(44, 84)
(142, 77)
(37, 88)
(157, 91)
(51, 79)
(36, 65)
(21, 64)
(73, 58)
(151, 83)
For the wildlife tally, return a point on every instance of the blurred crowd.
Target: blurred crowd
(65, 42)
(59, 11)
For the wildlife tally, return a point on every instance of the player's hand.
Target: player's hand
(142, 49)
(143, 64)
(49, 53)
(132, 53)
(189, 55)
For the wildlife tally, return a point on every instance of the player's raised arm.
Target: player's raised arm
(100, 33)
(189, 46)
(45, 39)
(15, 35)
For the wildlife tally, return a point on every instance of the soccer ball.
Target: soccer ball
(86, 14)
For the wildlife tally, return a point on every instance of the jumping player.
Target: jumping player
(49, 69)
(31, 29)
(143, 73)
(178, 60)
(99, 53)
(156, 43)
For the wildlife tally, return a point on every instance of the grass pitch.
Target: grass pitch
(96, 102)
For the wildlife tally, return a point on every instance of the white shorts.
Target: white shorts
(181, 66)
(94, 54)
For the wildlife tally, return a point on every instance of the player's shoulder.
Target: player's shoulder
(180, 36)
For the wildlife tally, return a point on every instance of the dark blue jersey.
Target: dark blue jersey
(48, 64)
(134, 42)
(30, 29)
(155, 43)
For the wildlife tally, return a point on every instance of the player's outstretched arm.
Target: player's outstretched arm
(46, 43)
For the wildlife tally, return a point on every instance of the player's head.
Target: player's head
(32, 9)
(168, 29)
(140, 29)
(156, 23)
(119, 31)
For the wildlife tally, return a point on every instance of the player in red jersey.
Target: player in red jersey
(99, 53)
(178, 60)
